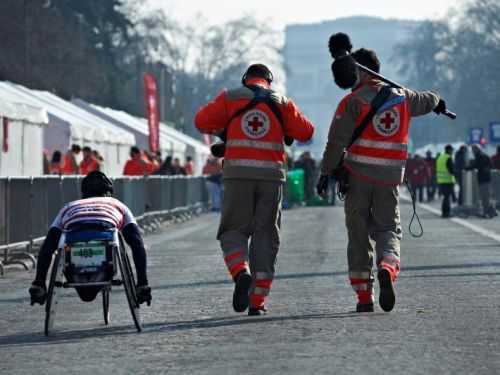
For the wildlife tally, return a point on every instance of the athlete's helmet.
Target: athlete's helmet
(96, 184)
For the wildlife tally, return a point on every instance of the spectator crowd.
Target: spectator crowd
(424, 176)
(421, 172)
(141, 163)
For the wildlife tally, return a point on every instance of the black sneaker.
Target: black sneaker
(38, 294)
(242, 285)
(143, 294)
(253, 311)
(387, 297)
(364, 307)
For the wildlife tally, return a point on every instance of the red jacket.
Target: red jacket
(70, 166)
(88, 165)
(417, 172)
(136, 167)
(254, 147)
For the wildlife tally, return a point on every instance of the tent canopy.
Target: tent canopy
(166, 142)
(23, 112)
(83, 125)
(170, 138)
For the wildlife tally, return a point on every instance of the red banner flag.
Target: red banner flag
(152, 111)
(5, 143)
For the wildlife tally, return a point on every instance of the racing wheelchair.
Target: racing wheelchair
(88, 258)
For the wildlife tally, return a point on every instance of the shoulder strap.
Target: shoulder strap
(377, 102)
(260, 96)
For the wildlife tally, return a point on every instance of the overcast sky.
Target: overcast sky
(283, 12)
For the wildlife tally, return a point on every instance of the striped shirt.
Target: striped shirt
(106, 209)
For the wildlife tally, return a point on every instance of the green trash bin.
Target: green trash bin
(295, 186)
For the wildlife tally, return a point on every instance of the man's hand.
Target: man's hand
(288, 140)
(441, 107)
(322, 186)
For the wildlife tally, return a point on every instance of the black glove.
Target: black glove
(322, 185)
(441, 107)
(288, 140)
(218, 149)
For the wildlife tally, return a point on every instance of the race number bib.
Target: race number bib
(88, 254)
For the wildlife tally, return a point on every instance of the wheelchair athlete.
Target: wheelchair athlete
(97, 206)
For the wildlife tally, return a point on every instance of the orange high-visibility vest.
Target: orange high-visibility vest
(384, 142)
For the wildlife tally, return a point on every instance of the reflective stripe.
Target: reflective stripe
(255, 144)
(231, 254)
(257, 301)
(382, 145)
(231, 263)
(362, 287)
(264, 276)
(253, 163)
(261, 291)
(360, 275)
(237, 268)
(375, 161)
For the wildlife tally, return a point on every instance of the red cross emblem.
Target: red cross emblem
(388, 120)
(387, 123)
(255, 124)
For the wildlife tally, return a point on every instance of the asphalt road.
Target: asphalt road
(446, 320)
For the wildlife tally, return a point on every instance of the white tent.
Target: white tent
(172, 142)
(24, 138)
(70, 124)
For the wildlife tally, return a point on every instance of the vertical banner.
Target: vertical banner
(5, 126)
(152, 111)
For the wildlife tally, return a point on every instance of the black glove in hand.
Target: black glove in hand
(288, 140)
(322, 186)
(218, 149)
(441, 107)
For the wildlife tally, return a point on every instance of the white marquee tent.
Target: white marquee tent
(172, 142)
(23, 137)
(70, 124)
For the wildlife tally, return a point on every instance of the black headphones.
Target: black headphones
(258, 70)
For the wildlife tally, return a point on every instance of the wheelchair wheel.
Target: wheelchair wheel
(105, 305)
(51, 303)
(129, 284)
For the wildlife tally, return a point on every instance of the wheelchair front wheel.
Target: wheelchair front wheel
(129, 284)
(105, 305)
(51, 303)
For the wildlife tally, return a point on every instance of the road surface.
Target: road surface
(446, 320)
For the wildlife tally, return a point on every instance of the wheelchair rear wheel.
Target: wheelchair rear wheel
(129, 284)
(105, 304)
(51, 303)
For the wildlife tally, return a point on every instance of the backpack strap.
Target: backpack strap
(260, 95)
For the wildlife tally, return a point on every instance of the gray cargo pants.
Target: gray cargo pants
(372, 214)
(251, 209)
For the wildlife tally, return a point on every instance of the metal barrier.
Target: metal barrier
(28, 205)
(470, 190)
